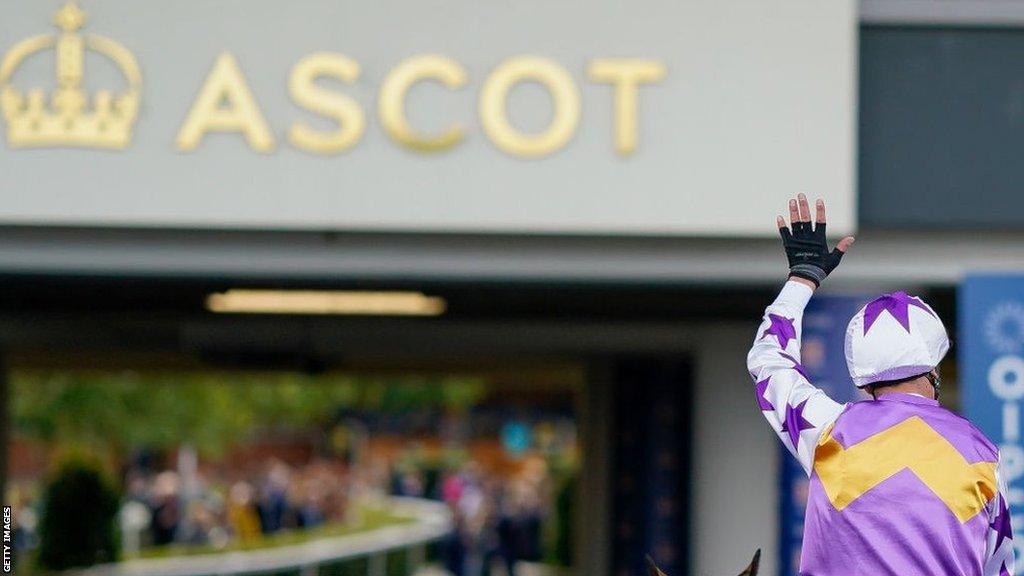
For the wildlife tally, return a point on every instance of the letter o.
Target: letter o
(997, 373)
(1011, 462)
(494, 112)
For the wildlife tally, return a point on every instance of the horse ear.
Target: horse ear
(652, 568)
(754, 564)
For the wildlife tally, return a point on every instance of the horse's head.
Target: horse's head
(653, 570)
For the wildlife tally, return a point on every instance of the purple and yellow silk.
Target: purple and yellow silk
(898, 485)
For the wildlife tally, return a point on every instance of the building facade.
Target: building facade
(581, 183)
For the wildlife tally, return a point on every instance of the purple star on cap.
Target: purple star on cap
(898, 304)
(795, 422)
(1001, 524)
(762, 401)
(796, 366)
(782, 328)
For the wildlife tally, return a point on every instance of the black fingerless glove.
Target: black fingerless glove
(807, 251)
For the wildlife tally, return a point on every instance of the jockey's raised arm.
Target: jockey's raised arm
(797, 410)
(899, 485)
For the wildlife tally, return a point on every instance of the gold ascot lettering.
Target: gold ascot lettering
(565, 101)
(626, 76)
(225, 104)
(340, 107)
(391, 107)
(106, 118)
(71, 116)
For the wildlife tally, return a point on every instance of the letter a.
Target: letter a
(225, 104)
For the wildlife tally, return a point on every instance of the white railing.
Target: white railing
(431, 521)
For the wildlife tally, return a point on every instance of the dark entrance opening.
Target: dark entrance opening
(632, 404)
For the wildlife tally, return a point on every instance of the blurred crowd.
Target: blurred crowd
(169, 507)
(212, 509)
(498, 519)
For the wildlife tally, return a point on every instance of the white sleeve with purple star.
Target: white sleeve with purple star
(999, 555)
(797, 410)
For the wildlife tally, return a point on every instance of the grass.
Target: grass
(370, 518)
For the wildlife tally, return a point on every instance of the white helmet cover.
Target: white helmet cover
(893, 337)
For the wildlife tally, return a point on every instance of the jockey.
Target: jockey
(899, 485)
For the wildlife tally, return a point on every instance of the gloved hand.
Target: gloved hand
(806, 246)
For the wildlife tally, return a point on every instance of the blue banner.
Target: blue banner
(991, 359)
(822, 354)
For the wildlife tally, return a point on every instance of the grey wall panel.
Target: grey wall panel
(952, 12)
(941, 127)
(757, 101)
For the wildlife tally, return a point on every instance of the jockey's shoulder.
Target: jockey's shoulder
(945, 421)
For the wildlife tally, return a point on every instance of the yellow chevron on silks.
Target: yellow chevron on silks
(848, 473)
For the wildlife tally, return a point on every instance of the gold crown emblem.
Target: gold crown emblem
(69, 118)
